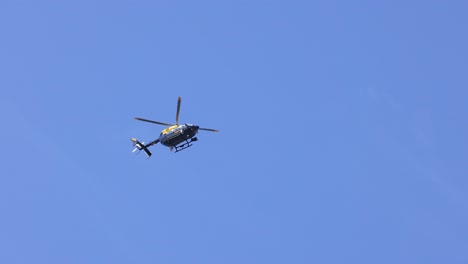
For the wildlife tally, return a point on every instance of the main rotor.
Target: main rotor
(179, 100)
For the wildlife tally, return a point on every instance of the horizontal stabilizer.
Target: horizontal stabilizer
(140, 146)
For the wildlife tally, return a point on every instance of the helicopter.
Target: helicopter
(175, 136)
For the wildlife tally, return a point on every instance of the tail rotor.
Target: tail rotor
(141, 146)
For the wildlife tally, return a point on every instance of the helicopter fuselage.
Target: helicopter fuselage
(177, 134)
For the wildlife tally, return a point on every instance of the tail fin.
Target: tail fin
(140, 146)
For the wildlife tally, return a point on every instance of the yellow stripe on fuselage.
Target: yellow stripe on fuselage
(169, 129)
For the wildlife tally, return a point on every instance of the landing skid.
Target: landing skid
(187, 144)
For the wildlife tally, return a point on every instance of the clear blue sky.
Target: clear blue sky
(343, 132)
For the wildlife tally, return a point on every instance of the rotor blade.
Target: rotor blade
(208, 129)
(178, 110)
(151, 121)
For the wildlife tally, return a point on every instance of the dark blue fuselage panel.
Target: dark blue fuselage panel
(178, 135)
